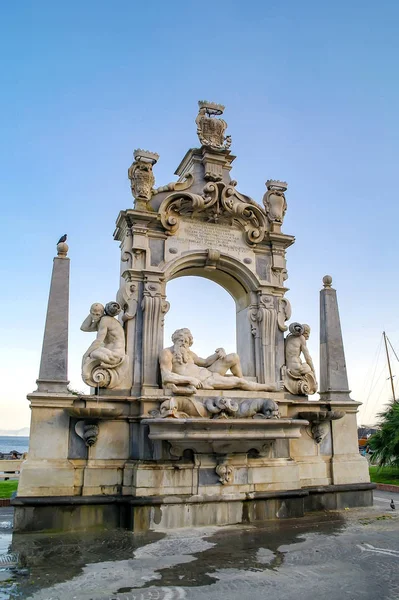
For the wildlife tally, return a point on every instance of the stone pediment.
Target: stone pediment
(219, 203)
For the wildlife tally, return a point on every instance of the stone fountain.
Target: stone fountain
(167, 438)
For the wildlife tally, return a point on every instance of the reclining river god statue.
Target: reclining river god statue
(185, 372)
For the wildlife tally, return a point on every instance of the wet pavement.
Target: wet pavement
(353, 554)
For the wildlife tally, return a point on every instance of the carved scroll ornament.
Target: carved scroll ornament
(284, 313)
(219, 202)
(127, 298)
(176, 186)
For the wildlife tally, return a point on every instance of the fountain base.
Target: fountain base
(141, 514)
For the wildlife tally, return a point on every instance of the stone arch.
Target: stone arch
(233, 276)
(206, 308)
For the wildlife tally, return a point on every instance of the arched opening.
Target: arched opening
(207, 309)
(233, 284)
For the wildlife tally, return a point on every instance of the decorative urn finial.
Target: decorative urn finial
(62, 247)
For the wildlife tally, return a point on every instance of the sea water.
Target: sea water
(18, 443)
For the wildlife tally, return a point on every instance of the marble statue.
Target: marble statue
(105, 361)
(182, 407)
(258, 408)
(225, 473)
(180, 367)
(299, 377)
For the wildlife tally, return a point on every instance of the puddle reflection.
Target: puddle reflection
(182, 558)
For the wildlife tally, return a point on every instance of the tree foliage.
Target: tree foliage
(385, 442)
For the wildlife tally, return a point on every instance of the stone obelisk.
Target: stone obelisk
(333, 375)
(53, 373)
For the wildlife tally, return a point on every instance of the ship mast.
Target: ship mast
(389, 365)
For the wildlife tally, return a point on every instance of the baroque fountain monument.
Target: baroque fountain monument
(169, 439)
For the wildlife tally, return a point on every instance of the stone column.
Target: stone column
(264, 325)
(53, 373)
(128, 297)
(347, 466)
(47, 470)
(333, 376)
(154, 307)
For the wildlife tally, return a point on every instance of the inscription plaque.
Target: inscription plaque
(218, 237)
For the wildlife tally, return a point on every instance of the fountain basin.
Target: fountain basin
(222, 436)
(95, 413)
(319, 421)
(322, 415)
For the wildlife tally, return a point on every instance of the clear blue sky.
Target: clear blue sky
(311, 93)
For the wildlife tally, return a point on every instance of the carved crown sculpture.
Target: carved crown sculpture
(211, 107)
(276, 184)
(146, 156)
(210, 130)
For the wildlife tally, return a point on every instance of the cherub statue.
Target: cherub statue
(104, 361)
(299, 377)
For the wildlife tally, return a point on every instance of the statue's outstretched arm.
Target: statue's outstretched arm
(307, 357)
(205, 362)
(88, 324)
(102, 332)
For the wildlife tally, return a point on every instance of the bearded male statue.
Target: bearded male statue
(182, 367)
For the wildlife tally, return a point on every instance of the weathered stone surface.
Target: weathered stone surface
(222, 436)
(299, 377)
(105, 363)
(182, 368)
(53, 373)
(333, 375)
(162, 441)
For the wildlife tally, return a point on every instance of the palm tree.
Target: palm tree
(385, 442)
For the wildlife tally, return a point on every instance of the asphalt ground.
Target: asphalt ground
(353, 554)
